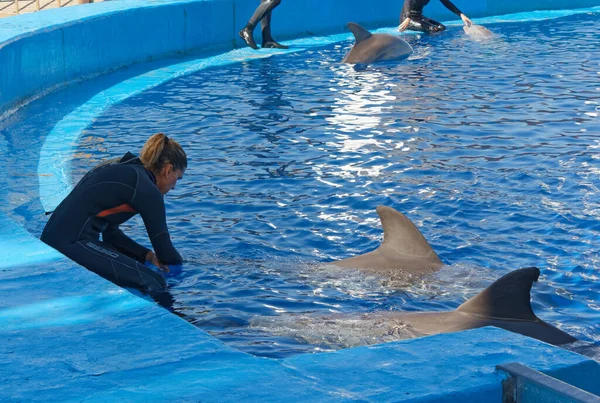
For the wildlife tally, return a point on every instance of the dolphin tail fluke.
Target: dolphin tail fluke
(360, 33)
(507, 298)
(403, 236)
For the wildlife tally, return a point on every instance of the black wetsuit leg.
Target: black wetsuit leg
(100, 258)
(267, 38)
(265, 8)
(262, 11)
(424, 24)
(413, 9)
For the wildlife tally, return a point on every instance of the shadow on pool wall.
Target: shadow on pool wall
(69, 335)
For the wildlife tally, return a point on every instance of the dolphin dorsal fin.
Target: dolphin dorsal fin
(402, 235)
(507, 298)
(360, 34)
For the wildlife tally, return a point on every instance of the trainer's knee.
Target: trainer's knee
(154, 283)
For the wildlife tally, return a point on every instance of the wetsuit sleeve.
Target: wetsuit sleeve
(451, 7)
(150, 204)
(115, 237)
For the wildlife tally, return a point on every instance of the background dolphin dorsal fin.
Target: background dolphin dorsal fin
(360, 34)
(508, 297)
(403, 236)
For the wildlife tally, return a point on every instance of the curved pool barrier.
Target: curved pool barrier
(69, 335)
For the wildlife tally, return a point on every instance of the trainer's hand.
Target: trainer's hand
(404, 25)
(466, 20)
(151, 257)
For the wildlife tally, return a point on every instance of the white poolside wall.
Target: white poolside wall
(43, 50)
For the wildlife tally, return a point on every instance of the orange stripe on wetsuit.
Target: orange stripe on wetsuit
(123, 208)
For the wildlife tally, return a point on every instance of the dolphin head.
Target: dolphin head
(478, 32)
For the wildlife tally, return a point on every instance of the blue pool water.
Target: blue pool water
(490, 148)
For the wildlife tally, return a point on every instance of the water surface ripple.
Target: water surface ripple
(490, 148)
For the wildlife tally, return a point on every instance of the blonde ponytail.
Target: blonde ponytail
(160, 150)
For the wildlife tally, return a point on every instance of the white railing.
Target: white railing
(26, 6)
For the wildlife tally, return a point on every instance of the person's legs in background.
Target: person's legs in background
(262, 14)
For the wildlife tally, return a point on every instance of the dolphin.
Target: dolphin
(403, 248)
(504, 304)
(478, 32)
(371, 48)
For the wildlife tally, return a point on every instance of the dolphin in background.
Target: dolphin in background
(504, 304)
(478, 32)
(371, 48)
(403, 248)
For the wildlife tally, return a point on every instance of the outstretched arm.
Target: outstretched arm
(450, 6)
(150, 204)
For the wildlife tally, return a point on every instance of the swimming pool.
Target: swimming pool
(484, 146)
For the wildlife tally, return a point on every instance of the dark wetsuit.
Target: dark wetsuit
(263, 10)
(104, 198)
(262, 14)
(413, 9)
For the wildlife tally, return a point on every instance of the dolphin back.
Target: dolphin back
(403, 248)
(360, 33)
(401, 235)
(506, 304)
(369, 48)
(507, 298)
